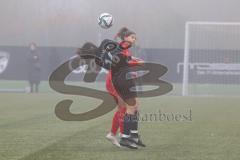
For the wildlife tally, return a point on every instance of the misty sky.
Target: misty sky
(158, 23)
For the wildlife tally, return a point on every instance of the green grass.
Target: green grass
(29, 130)
(194, 89)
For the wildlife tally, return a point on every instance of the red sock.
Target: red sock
(122, 111)
(115, 123)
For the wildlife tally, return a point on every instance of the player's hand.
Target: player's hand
(136, 61)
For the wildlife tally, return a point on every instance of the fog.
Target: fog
(158, 24)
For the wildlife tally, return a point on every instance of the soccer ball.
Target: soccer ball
(105, 20)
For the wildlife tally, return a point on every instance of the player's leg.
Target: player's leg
(115, 120)
(127, 127)
(115, 123)
(122, 88)
(111, 136)
(122, 111)
(134, 134)
(130, 124)
(130, 120)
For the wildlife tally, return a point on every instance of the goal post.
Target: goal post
(211, 58)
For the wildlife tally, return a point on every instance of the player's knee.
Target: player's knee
(132, 107)
(131, 101)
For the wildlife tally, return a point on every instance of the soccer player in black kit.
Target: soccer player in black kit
(116, 57)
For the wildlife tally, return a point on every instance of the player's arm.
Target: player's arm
(135, 61)
(107, 54)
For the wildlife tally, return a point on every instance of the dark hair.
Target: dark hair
(124, 32)
(87, 48)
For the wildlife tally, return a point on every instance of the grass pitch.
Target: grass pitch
(29, 129)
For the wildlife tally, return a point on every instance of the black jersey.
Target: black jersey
(113, 58)
(110, 56)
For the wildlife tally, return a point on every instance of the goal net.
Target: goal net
(211, 59)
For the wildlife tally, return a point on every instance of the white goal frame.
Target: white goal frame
(186, 49)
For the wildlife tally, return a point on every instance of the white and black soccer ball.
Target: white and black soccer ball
(105, 20)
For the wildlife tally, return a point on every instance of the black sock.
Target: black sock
(126, 125)
(134, 125)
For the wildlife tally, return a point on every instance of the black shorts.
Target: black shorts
(123, 85)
